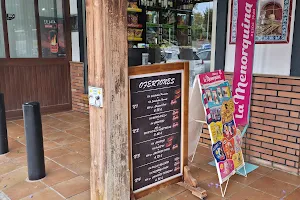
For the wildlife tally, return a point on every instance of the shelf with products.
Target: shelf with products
(135, 26)
(138, 10)
(135, 39)
(136, 19)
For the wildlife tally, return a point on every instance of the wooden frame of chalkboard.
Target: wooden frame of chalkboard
(159, 153)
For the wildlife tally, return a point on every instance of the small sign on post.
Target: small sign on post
(96, 97)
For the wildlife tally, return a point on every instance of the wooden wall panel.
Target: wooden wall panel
(46, 83)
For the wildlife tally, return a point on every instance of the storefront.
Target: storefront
(35, 50)
(272, 138)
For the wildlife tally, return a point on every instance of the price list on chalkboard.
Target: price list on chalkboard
(156, 116)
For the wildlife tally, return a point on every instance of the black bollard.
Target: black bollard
(34, 141)
(3, 127)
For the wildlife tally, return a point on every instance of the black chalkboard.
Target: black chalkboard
(156, 128)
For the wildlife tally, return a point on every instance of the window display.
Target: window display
(52, 28)
(21, 27)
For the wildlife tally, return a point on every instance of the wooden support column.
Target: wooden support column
(108, 69)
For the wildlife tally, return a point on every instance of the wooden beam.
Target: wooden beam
(108, 69)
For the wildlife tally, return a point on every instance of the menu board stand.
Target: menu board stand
(212, 104)
(158, 128)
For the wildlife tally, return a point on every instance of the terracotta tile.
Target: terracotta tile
(69, 159)
(246, 180)
(207, 167)
(212, 185)
(285, 177)
(23, 189)
(69, 139)
(84, 124)
(78, 146)
(200, 159)
(60, 113)
(51, 166)
(19, 122)
(48, 129)
(79, 132)
(204, 151)
(272, 186)
(172, 190)
(156, 195)
(251, 194)
(82, 196)
(56, 135)
(51, 121)
(16, 135)
(50, 145)
(46, 194)
(64, 125)
(86, 176)
(80, 168)
(22, 161)
(8, 167)
(294, 195)
(14, 144)
(263, 170)
(13, 128)
(53, 153)
(58, 176)
(200, 174)
(187, 195)
(80, 114)
(12, 178)
(4, 159)
(72, 187)
(69, 118)
(17, 153)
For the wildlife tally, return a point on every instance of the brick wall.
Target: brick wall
(79, 99)
(273, 137)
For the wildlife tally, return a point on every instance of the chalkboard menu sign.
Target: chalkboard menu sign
(156, 128)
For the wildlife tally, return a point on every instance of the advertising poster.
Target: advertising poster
(52, 37)
(226, 138)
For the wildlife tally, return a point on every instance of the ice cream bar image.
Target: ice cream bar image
(175, 112)
(177, 96)
(175, 124)
(178, 91)
(173, 102)
(175, 117)
(175, 146)
(170, 139)
(169, 144)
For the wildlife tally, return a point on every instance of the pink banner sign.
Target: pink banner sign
(245, 42)
(211, 77)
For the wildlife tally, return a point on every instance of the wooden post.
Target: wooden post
(108, 69)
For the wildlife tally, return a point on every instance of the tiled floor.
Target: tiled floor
(67, 157)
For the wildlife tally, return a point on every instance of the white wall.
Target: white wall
(73, 7)
(272, 59)
(75, 35)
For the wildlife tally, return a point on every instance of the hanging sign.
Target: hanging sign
(158, 124)
(225, 137)
(245, 42)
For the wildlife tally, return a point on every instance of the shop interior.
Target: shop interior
(163, 31)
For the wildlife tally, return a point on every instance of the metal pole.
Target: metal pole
(3, 127)
(34, 141)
